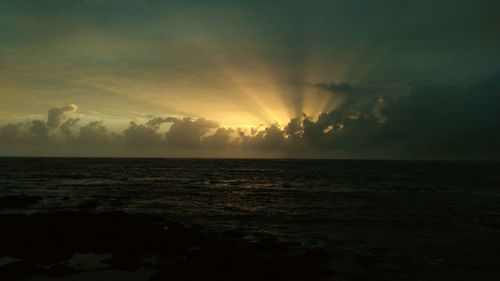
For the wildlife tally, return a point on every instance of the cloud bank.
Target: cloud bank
(429, 121)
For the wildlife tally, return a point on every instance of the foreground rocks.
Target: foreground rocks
(42, 245)
(18, 201)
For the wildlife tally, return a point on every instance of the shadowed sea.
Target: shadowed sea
(411, 220)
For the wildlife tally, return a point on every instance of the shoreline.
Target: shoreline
(45, 244)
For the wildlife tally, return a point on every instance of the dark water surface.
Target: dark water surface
(390, 220)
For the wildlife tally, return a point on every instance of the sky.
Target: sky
(307, 79)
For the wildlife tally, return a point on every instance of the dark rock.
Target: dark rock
(367, 262)
(88, 204)
(60, 270)
(125, 261)
(51, 238)
(238, 260)
(179, 252)
(19, 270)
(18, 201)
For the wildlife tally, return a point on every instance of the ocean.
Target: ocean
(378, 220)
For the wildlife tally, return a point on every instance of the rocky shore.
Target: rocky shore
(116, 245)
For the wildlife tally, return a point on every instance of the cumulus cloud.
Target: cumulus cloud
(140, 134)
(431, 121)
(188, 132)
(94, 133)
(67, 125)
(56, 115)
(156, 122)
(220, 139)
(11, 132)
(39, 129)
(295, 128)
(358, 101)
(271, 138)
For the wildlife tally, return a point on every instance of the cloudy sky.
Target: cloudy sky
(329, 79)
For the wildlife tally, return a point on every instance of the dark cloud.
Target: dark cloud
(139, 134)
(357, 100)
(56, 115)
(94, 133)
(11, 132)
(271, 138)
(39, 129)
(295, 128)
(67, 125)
(188, 132)
(342, 88)
(431, 120)
(220, 139)
(446, 119)
(156, 122)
